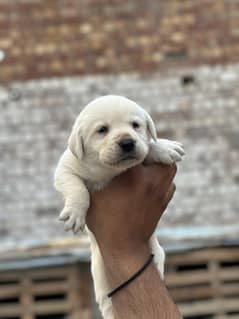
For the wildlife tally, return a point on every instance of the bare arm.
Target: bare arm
(123, 218)
(146, 297)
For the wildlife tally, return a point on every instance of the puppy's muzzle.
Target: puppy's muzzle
(127, 145)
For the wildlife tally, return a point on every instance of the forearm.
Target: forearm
(145, 297)
(120, 220)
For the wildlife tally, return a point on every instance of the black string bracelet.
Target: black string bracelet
(137, 274)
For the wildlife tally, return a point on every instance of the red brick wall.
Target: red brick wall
(43, 38)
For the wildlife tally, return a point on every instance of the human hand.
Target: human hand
(124, 215)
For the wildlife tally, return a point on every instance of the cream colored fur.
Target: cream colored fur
(94, 157)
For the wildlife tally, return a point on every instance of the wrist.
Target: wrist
(122, 264)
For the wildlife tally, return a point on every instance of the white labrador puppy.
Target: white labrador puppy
(110, 135)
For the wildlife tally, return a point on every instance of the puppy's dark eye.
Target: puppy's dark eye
(103, 129)
(135, 125)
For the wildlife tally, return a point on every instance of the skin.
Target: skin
(123, 221)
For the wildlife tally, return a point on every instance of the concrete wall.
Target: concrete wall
(198, 106)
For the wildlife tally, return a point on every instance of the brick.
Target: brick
(88, 28)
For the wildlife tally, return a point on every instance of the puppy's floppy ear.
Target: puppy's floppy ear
(151, 127)
(75, 142)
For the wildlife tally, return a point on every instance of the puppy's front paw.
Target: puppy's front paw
(166, 151)
(73, 218)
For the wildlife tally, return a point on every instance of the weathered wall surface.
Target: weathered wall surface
(196, 106)
(43, 38)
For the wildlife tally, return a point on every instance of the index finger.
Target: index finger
(162, 173)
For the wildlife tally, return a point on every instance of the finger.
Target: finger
(130, 176)
(164, 181)
(161, 171)
(169, 196)
(173, 171)
(160, 178)
(171, 192)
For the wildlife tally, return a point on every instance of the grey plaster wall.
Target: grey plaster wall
(197, 106)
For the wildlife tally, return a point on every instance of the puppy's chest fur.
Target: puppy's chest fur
(94, 186)
(95, 178)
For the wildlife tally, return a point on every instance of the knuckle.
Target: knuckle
(172, 191)
(171, 171)
(174, 169)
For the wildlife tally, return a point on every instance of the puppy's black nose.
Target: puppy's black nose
(127, 145)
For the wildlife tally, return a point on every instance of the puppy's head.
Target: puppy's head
(112, 131)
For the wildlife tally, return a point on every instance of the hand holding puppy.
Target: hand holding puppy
(123, 218)
(124, 215)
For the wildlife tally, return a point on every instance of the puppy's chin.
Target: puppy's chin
(123, 163)
(118, 161)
